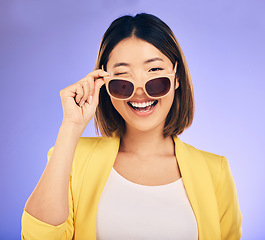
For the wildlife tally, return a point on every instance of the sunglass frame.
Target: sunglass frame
(170, 76)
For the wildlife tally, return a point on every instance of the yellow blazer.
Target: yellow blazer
(207, 179)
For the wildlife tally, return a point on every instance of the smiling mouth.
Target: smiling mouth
(144, 106)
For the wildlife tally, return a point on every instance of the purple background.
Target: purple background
(48, 45)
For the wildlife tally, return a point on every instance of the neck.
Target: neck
(147, 143)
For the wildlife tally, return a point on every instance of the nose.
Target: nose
(139, 91)
(140, 82)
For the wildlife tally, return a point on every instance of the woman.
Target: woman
(138, 181)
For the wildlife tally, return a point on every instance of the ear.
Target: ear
(176, 77)
(176, 82)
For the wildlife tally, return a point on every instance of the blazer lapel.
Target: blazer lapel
(96, 174)
(198, 184)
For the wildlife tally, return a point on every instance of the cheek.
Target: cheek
(168, 102)
(170, 98)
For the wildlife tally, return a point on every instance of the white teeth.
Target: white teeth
(142, 105)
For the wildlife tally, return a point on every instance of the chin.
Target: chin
(145, 126)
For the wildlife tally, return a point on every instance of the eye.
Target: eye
(121, 73)
(155, 69)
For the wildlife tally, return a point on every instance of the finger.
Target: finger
(79, 93)
(95, 75)
(98, 74)
(91, 78)
(91, 86)
(86, 88)
(98, 84)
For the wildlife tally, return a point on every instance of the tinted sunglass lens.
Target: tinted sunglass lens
(158, 87)
(120, 88)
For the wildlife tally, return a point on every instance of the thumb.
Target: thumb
(98, 84)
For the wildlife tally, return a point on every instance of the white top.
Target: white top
(131, 211)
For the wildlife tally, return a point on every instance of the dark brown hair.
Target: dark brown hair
(152, 30)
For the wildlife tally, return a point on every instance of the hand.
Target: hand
(80, 100)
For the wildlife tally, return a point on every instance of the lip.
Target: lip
(141, 100)
(142, 114)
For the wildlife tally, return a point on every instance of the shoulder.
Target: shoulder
(212, 160)
(214, 163)
(84, 145)
(87, 144)
(85, 148)
(90, 149)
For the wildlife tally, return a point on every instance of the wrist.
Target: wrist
(72, 128)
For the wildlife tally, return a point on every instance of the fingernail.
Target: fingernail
(82, 104)
(90, 100)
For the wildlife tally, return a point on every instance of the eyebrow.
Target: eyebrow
(145, 62)
(153, 60)
(121, 64)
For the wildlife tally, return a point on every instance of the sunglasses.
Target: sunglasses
(155, 87)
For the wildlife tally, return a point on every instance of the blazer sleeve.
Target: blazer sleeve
(228, 206)
(34, 229)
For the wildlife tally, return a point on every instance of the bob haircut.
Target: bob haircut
(151, 29)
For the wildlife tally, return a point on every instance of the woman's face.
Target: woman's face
(139, 60)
